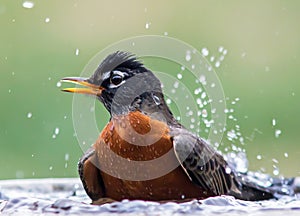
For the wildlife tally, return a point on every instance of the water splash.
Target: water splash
(67, 197)
(77, 52)
(277, 133)
(204, 51)
(28, 4)
(147, 25)
(29, 115)
(188, 56)
(273, 122)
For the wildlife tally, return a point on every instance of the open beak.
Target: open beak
(90, 89)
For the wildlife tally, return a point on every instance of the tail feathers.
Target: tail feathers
(257, 186)
(249, 193)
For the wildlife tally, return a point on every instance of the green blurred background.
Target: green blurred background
(38, 47)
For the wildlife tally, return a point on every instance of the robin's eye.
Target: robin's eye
(116, 79)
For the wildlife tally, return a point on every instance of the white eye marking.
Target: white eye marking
(122, 74)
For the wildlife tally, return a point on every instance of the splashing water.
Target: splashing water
(147, 25)
(277, 133)
(29, 115)
(77, 51)
(204, 51)
(67, 197)
(28, 4)
(188, 56)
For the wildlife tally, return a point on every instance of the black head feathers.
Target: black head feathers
(120, 60)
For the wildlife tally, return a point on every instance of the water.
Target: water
(67, 197)
(28, 4)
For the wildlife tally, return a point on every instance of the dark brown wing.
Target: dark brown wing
(90, 175)
(203, 165)
(208, 169)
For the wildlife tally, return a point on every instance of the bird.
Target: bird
(141, 129)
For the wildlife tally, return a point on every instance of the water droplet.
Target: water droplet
(9, 91)
(168, 101)
(204, 113)
(212, 58)
(220, 49)
(28, 4)
(179, 76)
(277, 133)
(225, 52)
(202, 79)
(276, 171)
(147, 25)
(67, 156)
(204, 51)
(227, 170)
(53, 136)
(217, 64)
(188, 56)
(165, 33)
(182, 196)
(286, 154)
(29, 115)
(58, 84)
(197, 91)
(47, 19)
(243, 55)
(77, 51)
(56, 131)
(273, 122)
(50, 168)
(231, 135)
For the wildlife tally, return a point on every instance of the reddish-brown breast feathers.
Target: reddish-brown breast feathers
(137, 137)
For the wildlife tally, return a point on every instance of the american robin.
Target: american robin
(142, 128)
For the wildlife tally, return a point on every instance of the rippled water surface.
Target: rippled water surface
(67, 197)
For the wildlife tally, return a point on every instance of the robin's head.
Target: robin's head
(122, 83)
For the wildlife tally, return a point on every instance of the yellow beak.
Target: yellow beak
(90, 90)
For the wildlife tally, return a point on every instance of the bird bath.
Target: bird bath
(67, 197)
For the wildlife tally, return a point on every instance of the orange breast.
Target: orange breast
(136, 158)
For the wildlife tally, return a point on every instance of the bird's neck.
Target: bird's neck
(151, 104)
